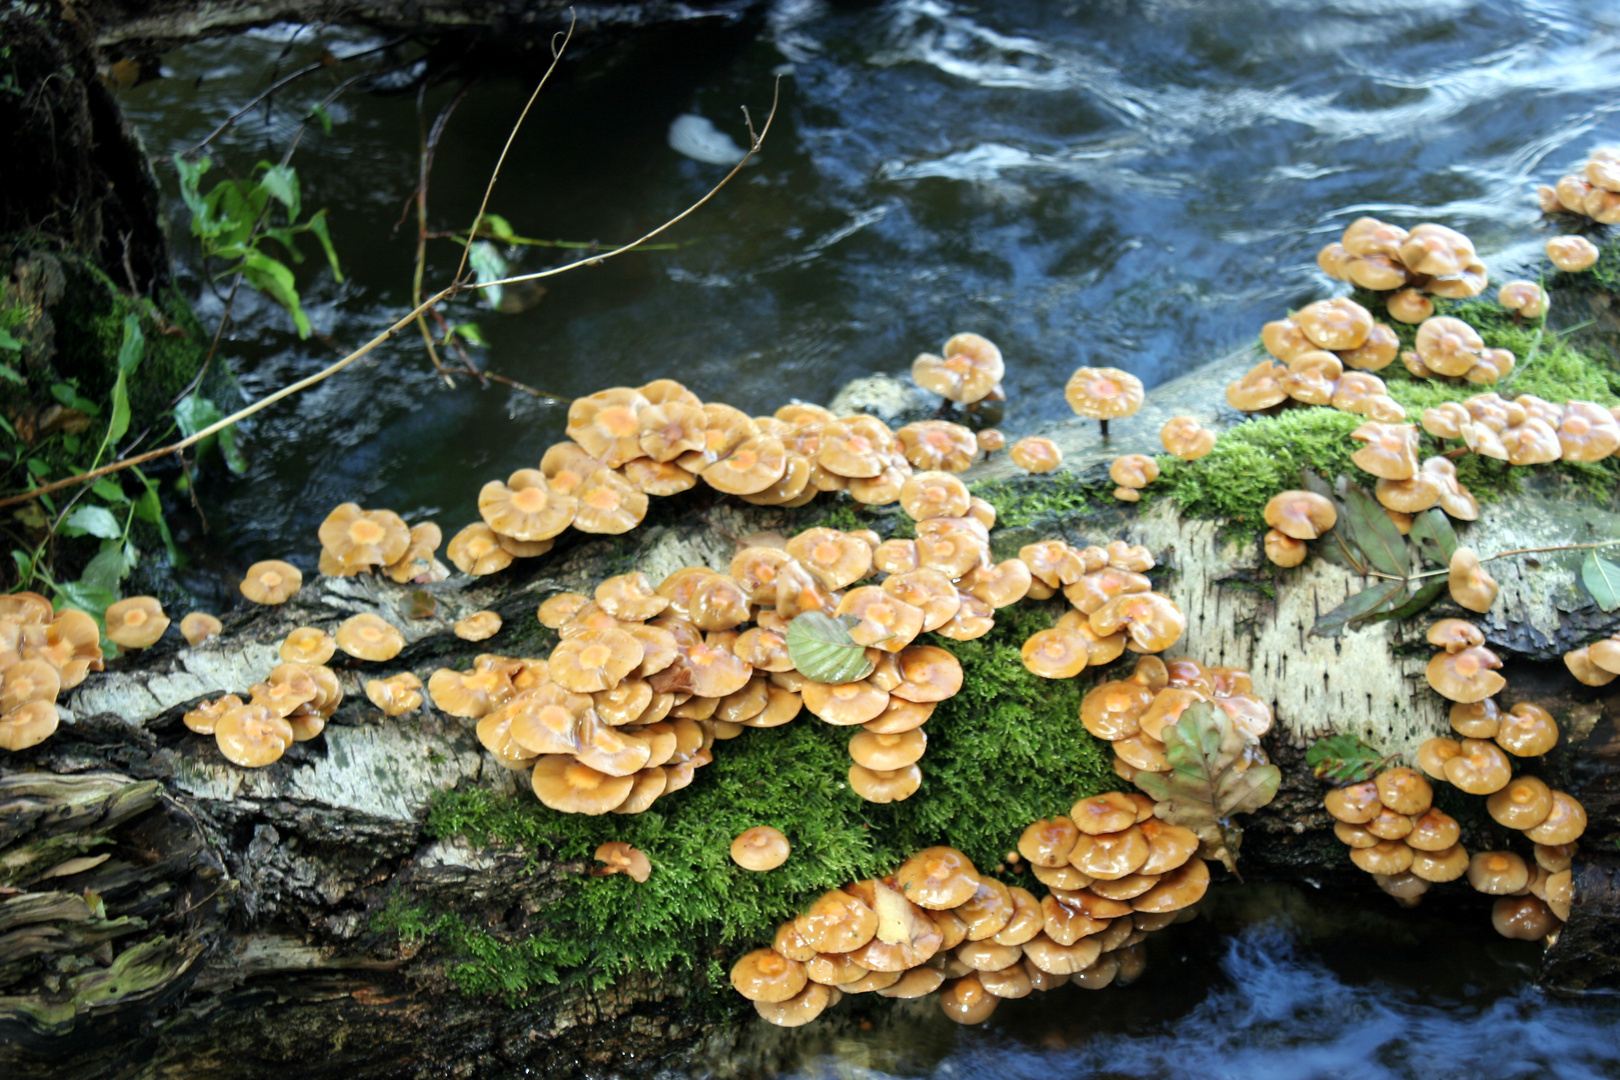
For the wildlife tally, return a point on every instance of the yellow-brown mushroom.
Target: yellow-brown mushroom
(1103, 394)
(198, 626)
(369, 637)
(1186, 438)
(1036, 454)
(1302, 515)
(136, 623)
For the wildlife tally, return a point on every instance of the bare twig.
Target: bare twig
(386, 335)
(428, 145)
(557, 50)
(1520, 551)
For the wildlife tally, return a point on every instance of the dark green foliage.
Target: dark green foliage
(1006, 750)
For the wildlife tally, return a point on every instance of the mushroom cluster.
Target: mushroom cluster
(354, 541)
(293, 704)
(1429, 259)
(938, 924)
(1594, 193)
(1114, 606)
(1447, 347)
(1315, 346)
(969, 372)
(1396, 833)
(42, 653)
(1132, 713)
(1527, 430)
(1596, 664)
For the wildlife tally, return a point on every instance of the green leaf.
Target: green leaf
(1374, 533)
(118, 425)
(195, 412)
(69, 395)
(275, 280)
(95, 520)
(8, 372)
(1432, 532)
(1385, 596)
(103, 573)
(317, 225)
(318, 111)
(821, 648)
(498, 227)
(469, 331)
(191, 173)
(1414, 603)
(107, 488)
(1212, 777)
(133, 347)
(9, 342)
(1344, 759)
(149, 508)
(281, 182)
(489, 265)
(1602, 579)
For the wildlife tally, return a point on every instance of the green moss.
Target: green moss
(1008, 749)
(1021, 501)
(1255, 460)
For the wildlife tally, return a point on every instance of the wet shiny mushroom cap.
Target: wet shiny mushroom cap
(478, 626)
(939, 444)
(1178, 889)
(844, 704)
(594, 660)
(1572, 254)
(630, 596)
(1523, 918)
(607, 424)
(1384, 857)
(1055, 653)
(883, 620)
(1355, 804)
(1455, 635)
(1448, 346)
(768, 976)
(572, 787)
(1498, 873)
(1109, 856)
(1389, 450)
(252, 736)
(1585, 669)
(930, 674)
(1375, 353)
(799, 1009)
(1036, 454)
(1100, 815)
(760, 848)
(969, 370)
(669, 429)
(620, 858)
(1260, 388)
(837, 922)
(1433, 830)
(369, 637)
(1152, 622)
(608, 504)
(136, 623)
(1481, 768)
(1404, 791)
(1466, 676)
(1565, 823)
(477, 550)
(1523, 804)
(395, 695)
(1103, 393)
(198, 626)
(1527, 730)
(934, 494)
(938, 878)
(1334, 324)
(966, 1001)
(1047, 842)
(1476, 720)
(1113, 710)
(1133, 470)
(1302, 515)
(1186, 438)
(991, 440)
(27, 681)
(1445, 864)
(526, 507)
(558, 609)
(1587, 432)
(1434, 753)
(1283, 550)
(885, 785)
(205, 716)
(836, 559)
(883, 753)
(1169, 846)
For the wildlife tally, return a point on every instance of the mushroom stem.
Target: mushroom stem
(1104, 425)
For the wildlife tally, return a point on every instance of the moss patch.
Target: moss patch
(1022, 501)
(1006, 750)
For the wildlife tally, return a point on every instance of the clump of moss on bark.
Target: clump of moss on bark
(1009, 748)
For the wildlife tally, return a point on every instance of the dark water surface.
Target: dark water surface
(1137, 184)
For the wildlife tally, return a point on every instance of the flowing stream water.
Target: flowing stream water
(1139, 184)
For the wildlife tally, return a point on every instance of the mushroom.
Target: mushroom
(621, 858)
(1445, 864)
(1047, 842)
(767, 976)
(1385, 857)
(1523, 918)
(607, 424)
(1565, 822)
(608, 504)
(572, 787)
(1178, 889)
(1560, 892)
(799, 1009)
(1555, 857)
(1186, 438)
(836, 559)
(1055, 653)
(1466, 676)
(477, 550)
(1103, 394)
(1498, 873)
(991, 440)
(969, 371)
(252, 736)
(1527, 730)
(1572, 254)
(1471, 586)
(966, 1001)
(942, 445)
(929, 673)
(1434, 753)
(1283, 550)
(1375, 353)
(1404, 791)
(1480, 768)
(1523, 804)
(397, 694)
(1334, 324)
(837, 922)
(198, 626)
(1434, 830)
(1302, 515)
(136, 623)
(938, 878)
(358, 538)
(1133, 471)
(669, 429)
(1409, 306)
(1152, 622)
(1581, 665)
(1260, 388)
(595, 660)
(1355, 804)
(369, 637)
(1368, 236)
(1524, 298)
(1036, 454)
(1587, 432)
(1001, 585)
(205, 716)
(1390, 451)
(760, 848)
(1354, 836)
(885, 753)
(933, 495)
(885, 785)
(478, 626)
(1455, 635)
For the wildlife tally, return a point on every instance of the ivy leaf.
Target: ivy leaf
(1375, 534)
(1212, 777)
(1344, 759)
(1384, 596)
(1432, 532)
(820, 647)
(1602, 579)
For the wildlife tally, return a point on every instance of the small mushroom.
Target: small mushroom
(477, 550)
(1434, 753)
(1186, 438)
(1260, 388)
(1385, 857)
(526, 507)
(1390, 450)
(1527, 730)
(1355, 804)
(1565, 823)
(1334, 324)
(621, 858)
(205, 716)
(991, 440)
(1471, 586)
(1480, 768)
(1445, 864)
(885, 785)
(1055, 653)
(760, 848)
(767, 976)
(1523, 918)
(1498, 873)
(1455, 635)
(397, 694)
(938, 878)
(799, 1009)
(607, 424)
(478, 626)
(198, 626)
(1434, 829)
(1103, 394)
(1572, 254)
(608, 504)
(969, 371)
(1283, 550)
(1152, 622)
(252, 736)
(1036, 454)
(1302, 515)
(942, 445)
(1404, 791)
(572, 787)
(369, 637)
(1523, 804)
(1133, 471)
(136, 623)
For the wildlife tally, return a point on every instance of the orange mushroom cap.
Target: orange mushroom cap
(1302, 515)
(1186, 438)
(397, 694)
(477, 550)
(1103, 393)
(369, 637)
(198, 626)
(136, 623)
(1036, 454)
(760, 848)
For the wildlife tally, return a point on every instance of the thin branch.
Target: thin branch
(1522, 551)
(429, 143)
(556, 58)
(386, 335)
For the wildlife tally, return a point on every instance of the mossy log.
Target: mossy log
(264, 911)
